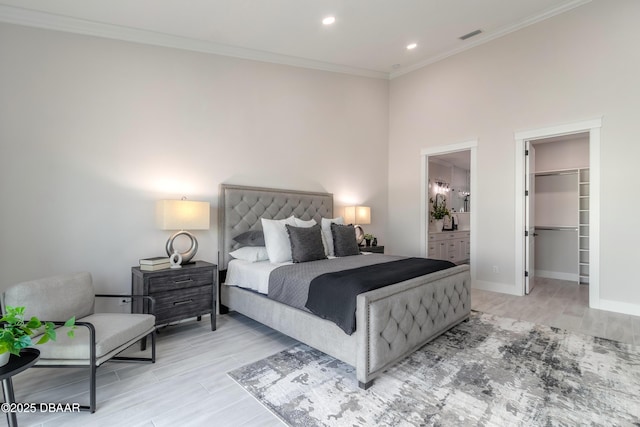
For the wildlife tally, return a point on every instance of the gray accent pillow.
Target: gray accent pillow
(250, 238)
(306, 243)
(344, 240)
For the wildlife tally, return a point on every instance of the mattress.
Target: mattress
(250, 275)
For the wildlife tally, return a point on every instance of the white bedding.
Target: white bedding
(250, 275)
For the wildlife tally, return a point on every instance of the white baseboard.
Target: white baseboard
(619, 307)
(559, 275)
(504, 288)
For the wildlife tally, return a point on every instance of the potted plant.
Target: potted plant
(439, 211)
(16, 333)
(368, 238)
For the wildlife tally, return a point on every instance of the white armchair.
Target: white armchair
(99, 337)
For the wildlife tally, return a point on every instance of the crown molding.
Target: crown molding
(549, 13)
(31, 18)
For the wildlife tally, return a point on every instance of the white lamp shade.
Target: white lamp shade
(182, 215)
(357, 215)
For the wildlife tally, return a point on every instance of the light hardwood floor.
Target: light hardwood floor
(188, 385)
(562, 304)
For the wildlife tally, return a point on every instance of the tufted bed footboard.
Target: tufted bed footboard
(395, 321)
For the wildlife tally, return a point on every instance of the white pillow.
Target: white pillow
(276, 238)
(305, 224)
(251, 253)
(327, 237)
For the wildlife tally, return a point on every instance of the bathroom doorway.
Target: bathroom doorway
(449, 181)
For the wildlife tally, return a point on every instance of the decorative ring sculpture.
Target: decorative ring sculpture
(186, 256)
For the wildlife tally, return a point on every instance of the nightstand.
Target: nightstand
(179, 293)
(374, 249)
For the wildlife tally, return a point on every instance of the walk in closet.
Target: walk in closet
(562, 208)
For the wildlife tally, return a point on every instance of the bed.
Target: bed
(392, 321)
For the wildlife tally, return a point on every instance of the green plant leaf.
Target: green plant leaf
(43, 339)
(33, 323)
(71, 324)
(22, 342)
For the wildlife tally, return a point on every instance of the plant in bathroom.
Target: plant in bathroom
(439, 208)
(16, 333)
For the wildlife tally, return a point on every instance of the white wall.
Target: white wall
(577, 66)
(556, 200)
(94, 131)
(569, 153)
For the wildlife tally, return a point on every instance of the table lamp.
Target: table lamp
(182, 215)
(357, 215)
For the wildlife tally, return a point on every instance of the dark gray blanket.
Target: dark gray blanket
(289, 284)
(333, 296)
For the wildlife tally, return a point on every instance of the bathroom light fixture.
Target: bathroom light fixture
(440, 186)
(412, 46)
(182, 215)
(329, 20)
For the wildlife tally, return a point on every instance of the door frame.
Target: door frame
(529, 219)
(471, 146)
(593, 127)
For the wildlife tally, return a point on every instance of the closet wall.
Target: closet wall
(558, 162)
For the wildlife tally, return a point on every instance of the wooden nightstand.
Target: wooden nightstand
(179, 293)
(374, 249)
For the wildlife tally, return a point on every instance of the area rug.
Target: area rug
(489, 371)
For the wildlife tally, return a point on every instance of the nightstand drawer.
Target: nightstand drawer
(182, 280)
(189, 302)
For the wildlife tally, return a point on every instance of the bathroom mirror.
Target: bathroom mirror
(461, 200)
(460, 195)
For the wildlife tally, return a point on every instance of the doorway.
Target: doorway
(455, 186)
(584, 222)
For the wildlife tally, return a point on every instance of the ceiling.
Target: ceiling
(368, 38)
(460, 159)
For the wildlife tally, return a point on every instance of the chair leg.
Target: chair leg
(92, 389)
(153, 347)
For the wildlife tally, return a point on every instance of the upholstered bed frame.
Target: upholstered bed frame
(392, 322)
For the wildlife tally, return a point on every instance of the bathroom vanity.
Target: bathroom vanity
(452, 246)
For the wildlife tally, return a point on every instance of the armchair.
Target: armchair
(99, 337)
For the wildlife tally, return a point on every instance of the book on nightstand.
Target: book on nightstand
(147, 267)
(155, 260)
(155, 263)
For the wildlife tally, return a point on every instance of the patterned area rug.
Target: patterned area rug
(490, 371)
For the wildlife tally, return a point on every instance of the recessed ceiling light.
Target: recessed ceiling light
(329, 20)
(412, 46)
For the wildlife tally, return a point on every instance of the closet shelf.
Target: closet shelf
(557, 228)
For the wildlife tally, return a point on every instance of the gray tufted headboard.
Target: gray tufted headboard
(240, 210)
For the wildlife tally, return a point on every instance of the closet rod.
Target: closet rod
(571, 172)
(558, 228)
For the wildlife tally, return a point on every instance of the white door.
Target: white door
(529, 212)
